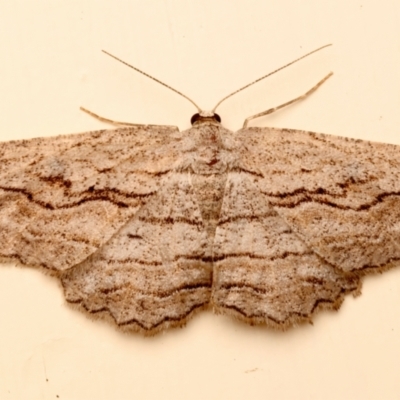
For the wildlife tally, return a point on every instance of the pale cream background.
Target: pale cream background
(50, 64)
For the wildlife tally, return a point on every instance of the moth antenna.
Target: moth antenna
(154, 79)
(269, 74)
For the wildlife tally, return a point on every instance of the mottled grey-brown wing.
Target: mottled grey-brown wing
(304, 216)
(263, 271)
(340, 195)
(62, 198)
(151, 274)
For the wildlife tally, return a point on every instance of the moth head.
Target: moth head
(205, 116)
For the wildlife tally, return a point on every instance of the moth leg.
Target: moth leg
(271, 110)
(108, 121)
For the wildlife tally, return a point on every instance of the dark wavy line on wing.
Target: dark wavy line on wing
(308, 198)
(162, 294)
(249, 218)
(275, 320)
(180, 317)
(316, 304)
(134, 321)
(67, 182)
(244, 314)
(17, 257)
(207, 259)
(247, 171)
(256, 257)
(170, 221)
(177, 257)
(129, 260)
(372, 268)
(94, 196)
(260, 290)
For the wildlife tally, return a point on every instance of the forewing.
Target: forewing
(62, 198)
(339, 195)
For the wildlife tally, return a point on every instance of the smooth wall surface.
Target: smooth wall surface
(51, 63)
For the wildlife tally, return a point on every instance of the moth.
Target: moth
(145, 225)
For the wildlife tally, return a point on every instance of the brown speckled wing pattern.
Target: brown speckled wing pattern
(146, 225)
